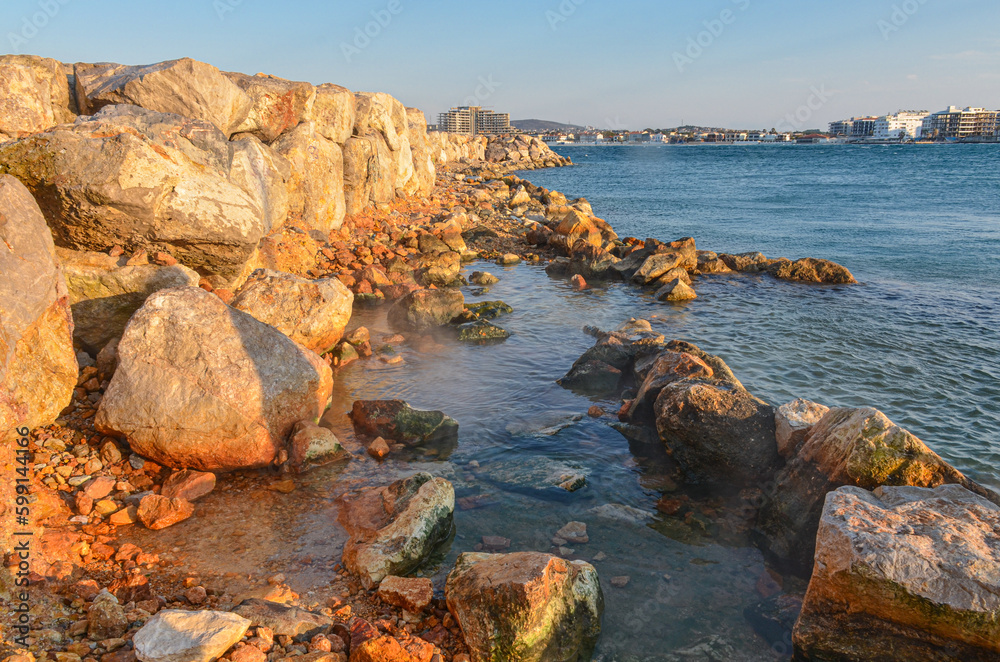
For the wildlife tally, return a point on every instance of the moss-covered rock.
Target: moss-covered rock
(489, 310)
(482, 331)
(396, 420)
(526, 606)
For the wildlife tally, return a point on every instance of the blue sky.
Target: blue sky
(746, 63)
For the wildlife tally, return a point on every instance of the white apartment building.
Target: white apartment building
(904, 125)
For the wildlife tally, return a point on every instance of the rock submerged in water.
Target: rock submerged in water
(525, 606)
(421, 310)
(393, 529)
(853, 447)
(481, 332)
(203, 386)
(396, 420)
(906, 573)
(313, 313)
(38, 367)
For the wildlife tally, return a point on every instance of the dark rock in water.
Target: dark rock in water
(558, 267)
(745, 262)
(718, 433)
(282, 619)
(667, 367)
(595, 377)
(396, 420)
(774, 619)
(483, 278)
(593, 263)
(489, 310)
(856, 447)
(481, 331)
(811, 270)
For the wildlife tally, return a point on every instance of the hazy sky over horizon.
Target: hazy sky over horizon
(632, 64)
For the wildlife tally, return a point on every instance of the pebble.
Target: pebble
(620, 582)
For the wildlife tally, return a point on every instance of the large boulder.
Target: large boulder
(34, 95)
(421, 310)
(277, 105)
(374, 112)
(904, 574)
(423, 164)
(855, 447)
(105, 291)
(359, 156)
(203, 386)
(334, 112)
(811, 270)
(173, 635)
(313, 313)
(264, 174)
(183, 87)
(393, 529)
(316, 187)
(38, 367)
(718, 432)
(526, 606)
(140, 179)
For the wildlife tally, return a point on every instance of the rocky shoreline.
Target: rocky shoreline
(181, 269)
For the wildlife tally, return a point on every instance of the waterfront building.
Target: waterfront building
(904, 125)
(841, 127)
(474, 121)
(962, 124)
(863, 127)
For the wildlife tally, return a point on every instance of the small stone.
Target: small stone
(495, 543)
(483, 278)
(595, 412)
(600, 556)
(125, 516)
(84, 503)
(188, 484)
(378, 449)
(247, 654)
(196, 595)
(620, 582)
(199, 636)
(106, 618)
(578, 282)
(508, 259)
(410, 594)
(158, 512)
(358, 336)
(574, 533)
(676, 290)
(110, 453)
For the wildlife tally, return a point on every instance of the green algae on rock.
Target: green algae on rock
(397, 420)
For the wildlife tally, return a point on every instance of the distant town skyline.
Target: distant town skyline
(628, 65)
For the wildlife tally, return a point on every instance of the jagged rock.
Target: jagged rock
(203, 386)
(104, 292)
(334, 111)
(188, 484)
(423, 164)
(183, 87)
(854, 447)
(425, 309)
(440, 268)
(602, 367)
(592, 262)
(105, 618)
(38, 367)
(792, 423)
(313, 313)
(316, 187)
(394, 528)
(655, 266)
(369, 644)
(676, 290)
(264, 174)
(277, 105)
(526, 606)
(188, 636)
(158, 512)
(413, 595)
(396, 420)
(905, 573)
(36, 95)
(281, 619)
(141, 180)
(717, 432)
(667, 367)
(811, 270)
(359, 155)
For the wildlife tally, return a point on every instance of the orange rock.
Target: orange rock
(411, 594)
(158, 512)
(188, 484)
